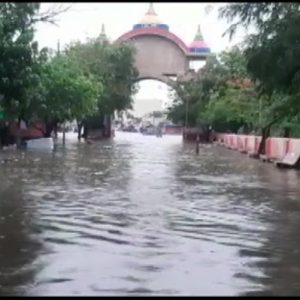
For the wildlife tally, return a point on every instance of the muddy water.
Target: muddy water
(145, 215)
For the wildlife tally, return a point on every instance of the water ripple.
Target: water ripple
(145, 216)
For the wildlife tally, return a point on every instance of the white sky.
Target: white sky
(85, 19)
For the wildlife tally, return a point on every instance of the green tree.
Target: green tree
(193, 97)
(113, 66)
(16, 48)
(17, 52)
(185, 102)
(272, 55)
(63, 93)
(232, 102)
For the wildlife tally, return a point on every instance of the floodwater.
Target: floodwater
(142, 215)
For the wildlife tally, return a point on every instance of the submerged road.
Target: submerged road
(145, 215)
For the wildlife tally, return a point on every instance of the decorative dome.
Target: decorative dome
(150, 20)
(198, 45)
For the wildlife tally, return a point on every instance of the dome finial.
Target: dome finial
(58, 46)
(151, 10)
(102, 35)
(103, 29)
(150, 20)
(198, 45)
(199, 36)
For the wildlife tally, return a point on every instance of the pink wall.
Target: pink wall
(29, 133)
(276, 148)
(233, 142)
(242, 143)
(293, 146)
(173, 131)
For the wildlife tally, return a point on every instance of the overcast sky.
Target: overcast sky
(84, 20)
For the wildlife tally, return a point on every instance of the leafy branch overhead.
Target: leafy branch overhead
(256, 87)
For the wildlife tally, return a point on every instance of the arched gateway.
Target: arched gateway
(160, 54)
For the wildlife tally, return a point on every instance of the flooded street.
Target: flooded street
(145, 215)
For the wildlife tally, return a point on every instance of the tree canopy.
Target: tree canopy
(18, 51)
(253, 87)
(113, 65)
(86, 79)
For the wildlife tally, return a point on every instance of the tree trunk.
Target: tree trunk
(55, 129)
(79, 128)
(49, 129)
(205, 133)
(64, 134)
(286, 132)
(85, 130)
(4, 135)
(265, 135)
(18, 138)
(197, 143)
(107, 126)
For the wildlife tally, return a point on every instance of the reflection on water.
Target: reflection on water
(142, 215)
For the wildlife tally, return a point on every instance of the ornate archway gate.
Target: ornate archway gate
(160, 54)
